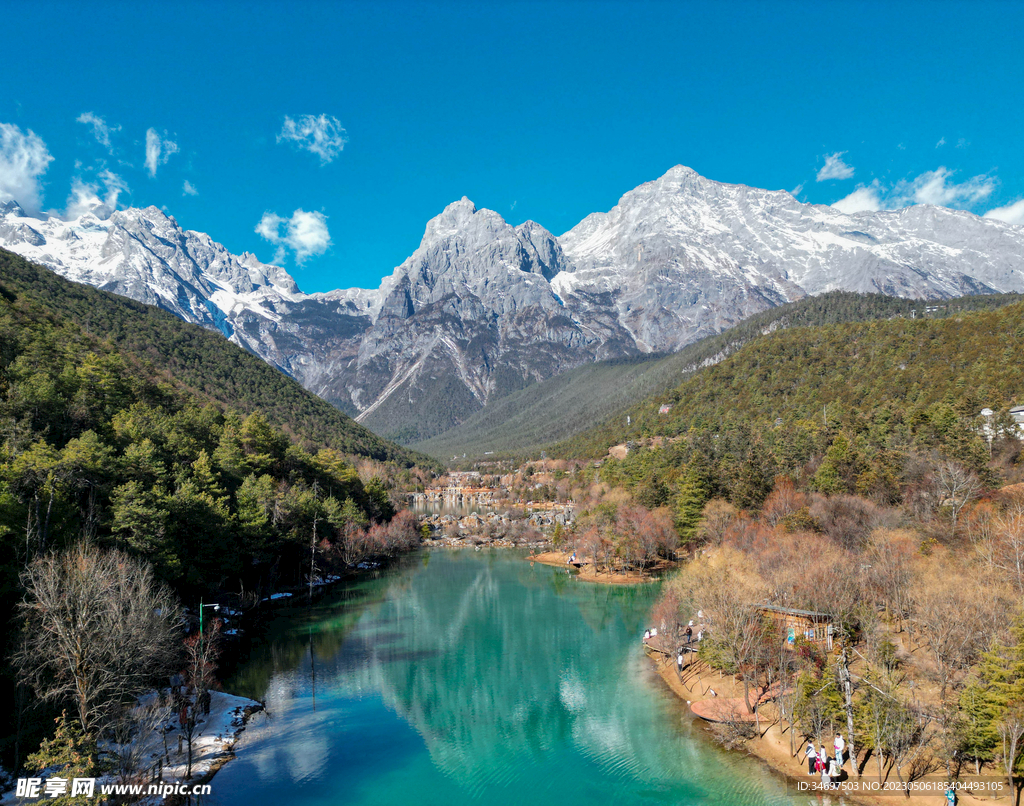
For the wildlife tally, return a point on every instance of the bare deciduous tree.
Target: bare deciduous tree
(890, 554)
(98, 628)
(201, 652)
(130, 737)
(952, 620)
(714, 522)
(1008, 549)
(957, 486)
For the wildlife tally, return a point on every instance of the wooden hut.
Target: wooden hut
(813, 627)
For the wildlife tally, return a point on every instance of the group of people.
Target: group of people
(829, 768)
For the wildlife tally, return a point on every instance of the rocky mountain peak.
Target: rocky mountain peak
(11, 208)
(456, 217)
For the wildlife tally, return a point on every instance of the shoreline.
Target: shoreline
(559, 560)
(772, 750)
(241, 714)
(212, 747)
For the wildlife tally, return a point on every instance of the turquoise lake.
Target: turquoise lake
(465, 677)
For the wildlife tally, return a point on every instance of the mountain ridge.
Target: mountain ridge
(482, 308)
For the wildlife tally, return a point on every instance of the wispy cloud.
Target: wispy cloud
(23, 159)
(85, 196)
(941, 143)
(797, 190)
(305, 234)
(322, 135)
(834, 168)
(188, 189)
(935, 187)
(932, 187)
(158, 150)
(101, 130)
(1011, 213)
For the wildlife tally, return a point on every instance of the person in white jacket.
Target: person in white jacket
(840, 746)
(833, 773)
(812, 756)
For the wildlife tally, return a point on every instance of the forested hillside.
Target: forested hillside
(126, 428)
(850, 408)
(554, 410)
(196, 361)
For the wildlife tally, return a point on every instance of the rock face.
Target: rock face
(482, 308)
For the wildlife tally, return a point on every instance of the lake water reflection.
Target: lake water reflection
(422, 507)
(464, 677)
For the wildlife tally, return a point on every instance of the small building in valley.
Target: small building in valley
(808, 624)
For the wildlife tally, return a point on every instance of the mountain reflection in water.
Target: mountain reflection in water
(464, 677)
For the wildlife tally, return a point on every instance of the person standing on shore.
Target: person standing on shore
(679, 661)
(812, 757)
(840, 745)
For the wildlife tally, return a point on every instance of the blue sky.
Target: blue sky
(338, 129)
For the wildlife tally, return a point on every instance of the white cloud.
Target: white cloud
(934, 187)
(188, 189)
(305, 233)
(23, 159)
(931, 187)
(321, 135)
(941, 143)
(1011, 213)
(797, 190)
(101, 130)
(85, 196)
(865, 197)
(158, 150)
(835, 168)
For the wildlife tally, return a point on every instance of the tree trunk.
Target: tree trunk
(844, 674)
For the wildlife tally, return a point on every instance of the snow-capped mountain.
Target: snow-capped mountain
(685, 257)
(145, 255)
(483, 307)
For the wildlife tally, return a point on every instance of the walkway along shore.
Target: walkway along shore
(699, 683)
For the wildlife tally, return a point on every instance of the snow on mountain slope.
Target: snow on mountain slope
(483, 307)
(145, 255)
(684, 256)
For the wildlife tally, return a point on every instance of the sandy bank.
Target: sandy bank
(587, 573)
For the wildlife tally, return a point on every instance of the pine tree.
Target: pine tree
(690, 503)
(69, 754)
(1000, 710)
